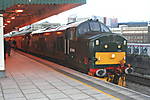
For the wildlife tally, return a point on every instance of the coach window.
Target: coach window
(60, 44)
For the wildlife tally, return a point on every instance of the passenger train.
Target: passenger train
(88, 46)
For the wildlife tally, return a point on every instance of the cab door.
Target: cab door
(70, 36)
(66, 42)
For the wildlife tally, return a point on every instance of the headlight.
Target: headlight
(124, 42)
(99, 58)
(119, 46)
(113, 56)
(97, 42)
(106, 46)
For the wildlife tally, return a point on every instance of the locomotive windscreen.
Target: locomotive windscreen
(92, 26)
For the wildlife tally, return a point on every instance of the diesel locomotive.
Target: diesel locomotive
(88, 46)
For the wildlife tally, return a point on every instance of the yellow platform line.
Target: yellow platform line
(103, 79)
(92, 87)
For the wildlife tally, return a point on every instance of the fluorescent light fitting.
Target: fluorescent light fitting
(12, 17)
(8, 21)
(18, 11)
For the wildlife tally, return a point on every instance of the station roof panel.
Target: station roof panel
(19, 13)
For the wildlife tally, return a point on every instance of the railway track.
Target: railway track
(139, 79)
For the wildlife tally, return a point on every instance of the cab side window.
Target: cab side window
(104, 28)
(71, 33)
(83, 28)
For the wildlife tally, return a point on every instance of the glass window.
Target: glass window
(135, 50)
(94, 26)
(129, 50)
(83, 28)
(71, 33)
(104, 28)
(144, 51)
(60, 43)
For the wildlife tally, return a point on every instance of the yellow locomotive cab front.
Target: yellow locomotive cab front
(109, 57)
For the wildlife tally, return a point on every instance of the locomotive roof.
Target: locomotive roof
(61, 28)
(75, 24)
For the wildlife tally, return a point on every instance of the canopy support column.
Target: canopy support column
(2, 64)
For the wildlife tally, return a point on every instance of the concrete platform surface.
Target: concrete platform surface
(30, 80)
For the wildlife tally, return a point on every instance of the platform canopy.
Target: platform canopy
(19, 13)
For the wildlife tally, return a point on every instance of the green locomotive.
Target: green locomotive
(88, 46)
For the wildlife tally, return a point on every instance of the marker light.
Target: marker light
(124, 42)
(106, 46)
(97, 42)
(119, 46)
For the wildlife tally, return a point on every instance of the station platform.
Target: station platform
(32, 78)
